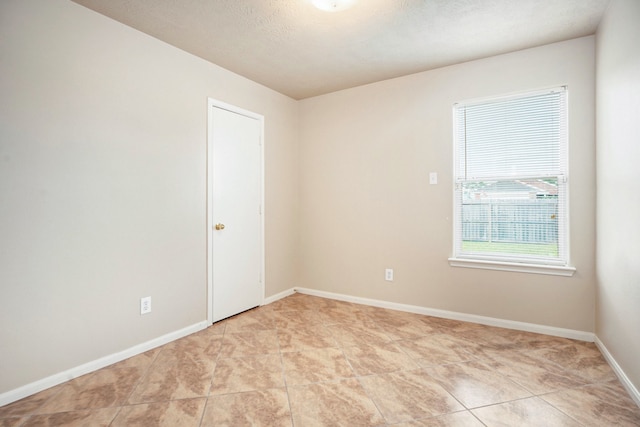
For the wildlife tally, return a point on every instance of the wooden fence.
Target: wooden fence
(513, 221)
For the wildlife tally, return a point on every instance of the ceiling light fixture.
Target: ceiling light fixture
(333, 5)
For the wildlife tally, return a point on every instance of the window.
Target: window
(511, 183)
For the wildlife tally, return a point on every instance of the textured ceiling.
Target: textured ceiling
(300, 51)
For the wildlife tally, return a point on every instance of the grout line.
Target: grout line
(284, 375)
(556, 408)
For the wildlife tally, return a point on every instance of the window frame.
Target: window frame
(526, 264)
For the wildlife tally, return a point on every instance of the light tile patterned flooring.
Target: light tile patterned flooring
(306, 361)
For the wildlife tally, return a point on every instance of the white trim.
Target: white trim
(512, 262)
(624, 379)
(553, 270)
(454, 315)
(513, 95)
(53, 380)
(279, 296)
(232, 108)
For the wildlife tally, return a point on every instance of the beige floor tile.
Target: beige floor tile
(408, 395)
(449, 325)
(168, 381)
(399, 325)
(438, 349)
(305, 338)
(536, 375)
(499, 338)
(105, 388)
(344, 315)
(456, 419)
(31, 404)
(242, 344)
(531, 412)
(474, 384)
(545, 341)
(296, 302)
(350, 335)
(583, 359)
(183, 413)
(257, 319)
(378, 358)
(247, 373)
(217, 328)
(141, 361)
(380, 314)
(605, 404)
(12, 422)
(260, 408)
(295, 319)
(342, 403)
(191, 348)
(522, 340)
(319, 365)
(405, 330)
(93, 418)
(323, 304)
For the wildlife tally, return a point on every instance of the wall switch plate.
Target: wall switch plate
(388, 274)
(433, 178)
(145, 305)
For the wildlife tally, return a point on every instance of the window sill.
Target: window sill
(553, 270)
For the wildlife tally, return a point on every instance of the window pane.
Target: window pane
(510, 217)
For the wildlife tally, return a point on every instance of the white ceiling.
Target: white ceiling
(300, 51)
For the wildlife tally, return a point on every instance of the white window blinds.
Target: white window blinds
(512, 137)
(511, 175)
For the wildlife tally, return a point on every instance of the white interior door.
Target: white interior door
(235, 174)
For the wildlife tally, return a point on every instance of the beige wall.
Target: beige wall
(618, 154)
(365, 204)
(103, 186)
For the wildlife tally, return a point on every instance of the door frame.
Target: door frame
(213, 103)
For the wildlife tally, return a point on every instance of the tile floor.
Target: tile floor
(306, 361)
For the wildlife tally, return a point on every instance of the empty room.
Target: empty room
(319, 213)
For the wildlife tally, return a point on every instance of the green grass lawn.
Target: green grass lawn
(550, 249)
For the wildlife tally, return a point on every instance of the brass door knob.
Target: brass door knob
(219, 226)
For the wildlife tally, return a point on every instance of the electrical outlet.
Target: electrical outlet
(388, 274)
(145, 305)
(433, 178)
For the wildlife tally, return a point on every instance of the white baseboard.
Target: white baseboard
(48, 382)
(278, 296)
(624, 379)
(45, 383)
(483, 320)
